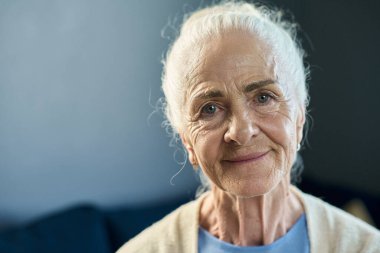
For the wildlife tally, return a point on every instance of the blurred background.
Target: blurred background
(79, 85)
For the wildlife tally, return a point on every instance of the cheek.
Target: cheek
(207, 145)
(281, 130)
(281, 125)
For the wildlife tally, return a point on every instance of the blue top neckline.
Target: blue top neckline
(228, 246)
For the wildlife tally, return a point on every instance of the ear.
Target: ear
(192, 157)
(301, 118)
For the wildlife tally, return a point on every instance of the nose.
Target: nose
(242, 128)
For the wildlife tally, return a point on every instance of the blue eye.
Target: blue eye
(209, 109)
(263, 98)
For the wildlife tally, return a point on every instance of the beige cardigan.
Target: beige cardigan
(330, 230)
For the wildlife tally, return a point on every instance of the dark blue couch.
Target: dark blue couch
(84, 228)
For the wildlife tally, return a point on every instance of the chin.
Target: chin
(252, 188)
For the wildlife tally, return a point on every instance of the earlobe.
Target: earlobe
(192, 157)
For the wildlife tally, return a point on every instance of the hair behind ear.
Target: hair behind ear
(300, 122)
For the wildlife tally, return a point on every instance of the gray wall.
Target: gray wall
(77, 81)
(78, 77)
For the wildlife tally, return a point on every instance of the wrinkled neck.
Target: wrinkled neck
(250, 221)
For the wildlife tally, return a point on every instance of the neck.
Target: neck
(250, 221)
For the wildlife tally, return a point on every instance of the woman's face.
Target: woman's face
(241, 126)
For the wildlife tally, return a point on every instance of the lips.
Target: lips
(247, 158)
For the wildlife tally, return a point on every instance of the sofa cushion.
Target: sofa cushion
(80, 229)
(123, 224)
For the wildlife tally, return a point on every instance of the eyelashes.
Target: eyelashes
(264, 98)
(210, 110)
(262, 102)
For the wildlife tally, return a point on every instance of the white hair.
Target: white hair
(266, 24)
(261, 21)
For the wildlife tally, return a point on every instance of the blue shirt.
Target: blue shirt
(296, 240)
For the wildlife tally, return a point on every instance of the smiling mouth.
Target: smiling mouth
(247, 158)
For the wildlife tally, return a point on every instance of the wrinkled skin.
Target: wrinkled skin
(242, 128)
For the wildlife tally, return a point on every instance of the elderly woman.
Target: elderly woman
(234, 82)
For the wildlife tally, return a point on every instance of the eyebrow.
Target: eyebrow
(210, 94)
(255, 85)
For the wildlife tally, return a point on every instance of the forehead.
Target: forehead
(232, 56)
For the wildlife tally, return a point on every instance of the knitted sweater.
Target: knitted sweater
(330, 230)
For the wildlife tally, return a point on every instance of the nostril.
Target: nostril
(240, 132)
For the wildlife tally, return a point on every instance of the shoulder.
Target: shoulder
(167, 234)
(338, 230)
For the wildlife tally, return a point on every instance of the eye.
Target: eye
(209, 109)
(263, 98)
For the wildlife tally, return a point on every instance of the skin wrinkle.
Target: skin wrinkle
(193, 69)
(250, 203)
(200, 48)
